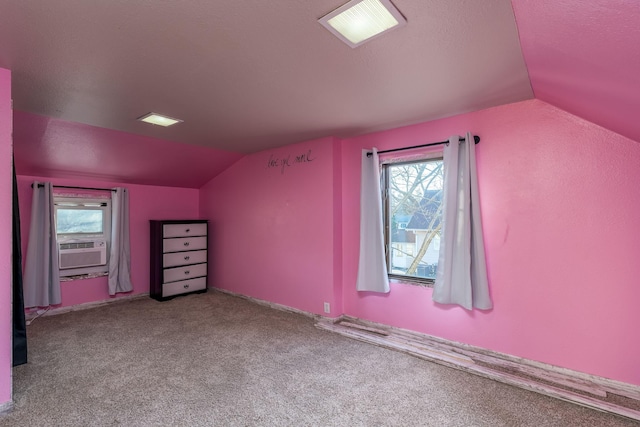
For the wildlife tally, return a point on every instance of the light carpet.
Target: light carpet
(217, 360)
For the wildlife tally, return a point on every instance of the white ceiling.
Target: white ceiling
(246, 75)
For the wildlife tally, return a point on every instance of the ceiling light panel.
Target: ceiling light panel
(159, 119)
(361, 20)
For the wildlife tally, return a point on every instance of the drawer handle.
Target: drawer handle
(186, 272)
(187, 258)
(187, 230)
(186, 286)
(186, 243)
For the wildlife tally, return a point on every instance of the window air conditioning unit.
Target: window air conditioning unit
(82, 253)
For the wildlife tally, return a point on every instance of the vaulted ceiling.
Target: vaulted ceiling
(584, 57)
(247, 75)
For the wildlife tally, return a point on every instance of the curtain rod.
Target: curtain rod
(476, 138)
(78, 188)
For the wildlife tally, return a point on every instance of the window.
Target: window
(83, 232)
(413, 219)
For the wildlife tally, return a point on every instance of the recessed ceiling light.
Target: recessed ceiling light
(361, 20)
(158, 119)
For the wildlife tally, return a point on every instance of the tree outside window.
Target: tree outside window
(413, 197)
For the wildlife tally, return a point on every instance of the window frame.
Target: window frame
(414, 280)
(79, 202)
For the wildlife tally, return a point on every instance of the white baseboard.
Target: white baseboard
(576, 387)
(84, 306)
(273, 305)
(6, 407)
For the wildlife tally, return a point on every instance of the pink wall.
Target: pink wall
(273, 233)
(145, 202)
(560, 207)
(582, 57)
(5, 237)
(559, 210)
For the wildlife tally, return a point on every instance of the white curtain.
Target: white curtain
(372, 267)
(41, 272)
(461, 277)
(120, 252)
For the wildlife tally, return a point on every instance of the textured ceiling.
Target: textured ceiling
(46, 147)
(246, 75)
(584, 57)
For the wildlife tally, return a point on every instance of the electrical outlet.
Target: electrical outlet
(327, 307)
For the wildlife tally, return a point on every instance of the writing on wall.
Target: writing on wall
(283, 163)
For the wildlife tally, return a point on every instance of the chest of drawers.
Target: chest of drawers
(178, 258)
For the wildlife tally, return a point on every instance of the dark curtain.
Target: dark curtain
(19, 325)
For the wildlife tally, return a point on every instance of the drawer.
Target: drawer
(185, 272)
(184, 244)
(184, 286)
(184, 230)
(183, 258)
